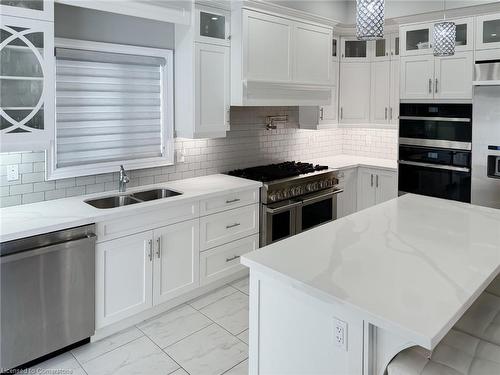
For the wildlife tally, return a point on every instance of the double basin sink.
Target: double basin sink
(125, 200)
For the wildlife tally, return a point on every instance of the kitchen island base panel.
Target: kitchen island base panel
(294, 332)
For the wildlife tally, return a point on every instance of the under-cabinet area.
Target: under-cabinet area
(249, 187)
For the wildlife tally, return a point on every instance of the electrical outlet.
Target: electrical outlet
(181, 156)
(12, 172)
(340, 334)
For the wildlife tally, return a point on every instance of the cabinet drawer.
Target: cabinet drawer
(225, 260)
(218, 229)
(155, 218)
(228, 201)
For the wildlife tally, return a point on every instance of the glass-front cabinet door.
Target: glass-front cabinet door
(26, 83)
(335, 48)
(395, 45)
(36, 9)
(416, 39)
(488, 31)
(381, 49)
(212, 26)
(465, 34)
(355, 50)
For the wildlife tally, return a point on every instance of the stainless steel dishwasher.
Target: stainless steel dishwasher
(47, 294)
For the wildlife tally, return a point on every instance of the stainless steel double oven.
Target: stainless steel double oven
(435, 150)
(302, 211)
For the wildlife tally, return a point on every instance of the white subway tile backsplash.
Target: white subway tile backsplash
(247, 144)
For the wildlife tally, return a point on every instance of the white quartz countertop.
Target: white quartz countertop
(42, 217)
(412, 265)
(352, 161)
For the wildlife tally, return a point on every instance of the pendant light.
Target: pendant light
(444, 36)
(370, 18)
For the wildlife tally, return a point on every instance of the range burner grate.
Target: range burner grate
(265, 173)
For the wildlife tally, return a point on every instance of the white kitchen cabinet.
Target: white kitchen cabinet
(381, 50)
(278, 61)
(429, 77)
(347, 200)
(37, 9)
(213, 25)
(312, 64)
(212, 90)
(488, 31)
(124, 271)
(176, 260)
(380, 92)
(267, 47)
(375, 186)
(27, 83)
(354, 50)
(416, 39)
(354, 93)
(453, 76)
(202, 78)
(224, 260)
(417, 77)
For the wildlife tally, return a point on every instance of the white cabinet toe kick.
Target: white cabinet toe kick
(149, 262)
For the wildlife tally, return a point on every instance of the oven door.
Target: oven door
(317, 209)
(434, 180)
(278, 221)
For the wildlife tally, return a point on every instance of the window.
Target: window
(114, 105)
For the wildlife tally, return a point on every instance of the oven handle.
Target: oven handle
(282, 208)
(435, 166)
(321, 196)
(449, 119)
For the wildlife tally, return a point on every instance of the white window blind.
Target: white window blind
(109, 107)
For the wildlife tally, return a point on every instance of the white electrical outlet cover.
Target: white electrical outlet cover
(340, 334)
(12, 172)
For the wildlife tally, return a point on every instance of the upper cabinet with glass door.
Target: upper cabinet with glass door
(354, 50)
(488, 32)
(26, 83)
(35, 9)
(212, 26)
(381, 49)
(417, 39)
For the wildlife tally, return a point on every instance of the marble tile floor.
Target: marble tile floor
(206, 336)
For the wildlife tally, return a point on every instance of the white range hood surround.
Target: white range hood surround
(279, 56)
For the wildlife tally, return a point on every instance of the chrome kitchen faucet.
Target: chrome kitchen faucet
(123, 180)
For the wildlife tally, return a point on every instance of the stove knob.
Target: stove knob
(286, 193)
(272, 197)
(279, 195)
(309, 187)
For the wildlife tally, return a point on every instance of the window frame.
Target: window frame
(167, 114)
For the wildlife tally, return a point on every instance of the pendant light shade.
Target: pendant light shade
(444, 36)
(370, 15)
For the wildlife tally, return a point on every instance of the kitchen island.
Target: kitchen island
(347, 296)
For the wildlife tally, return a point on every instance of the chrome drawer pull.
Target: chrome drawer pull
(158, 251)
(232, 258)
(232, 201)
(232, 225)
(150, 253)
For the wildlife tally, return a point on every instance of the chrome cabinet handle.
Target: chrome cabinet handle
(436, 88)
(232, 225)
(321, 113)
(232, 201)
(390, 113)
(341, 113)
(377, 182)
(158, 249)
(232, 258)
(430, 85)
(372, 180)
(386, 113)
(150, 253)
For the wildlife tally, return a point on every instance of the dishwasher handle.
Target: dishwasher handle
(90, 238)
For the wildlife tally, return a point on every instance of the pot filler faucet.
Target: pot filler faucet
(123, 180)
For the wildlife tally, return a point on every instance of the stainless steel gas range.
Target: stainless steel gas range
(295, 197)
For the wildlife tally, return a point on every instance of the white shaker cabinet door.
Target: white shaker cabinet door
(123, 278)
(453, 76)
(267, 47)
(394, 102)
(381, 92)
(386, 186)
(212, 90)
(417, 77)
(347, 200)
(354, 93)
(366, 188)
(312, 51)
(176, 260)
